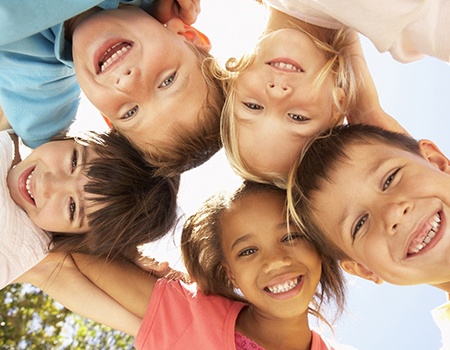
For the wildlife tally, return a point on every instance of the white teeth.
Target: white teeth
(114, 56)
(286, 66)
(283, 287)
(27, 184)
(435, 225)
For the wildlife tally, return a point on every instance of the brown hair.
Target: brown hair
(320, 159)
(339, 63)
(135, 205)
(194, 148)
(203, 256)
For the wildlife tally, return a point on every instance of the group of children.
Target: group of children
(259, 268)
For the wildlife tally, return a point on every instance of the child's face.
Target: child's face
(276, 107)
(388, 210)
(150, 81)
(276, 270)
(48, 185)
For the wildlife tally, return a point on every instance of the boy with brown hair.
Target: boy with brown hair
(380, 202)
(148, 78)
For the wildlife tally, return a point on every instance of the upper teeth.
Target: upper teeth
(287, 66)
(113, 57)
(283, 287)
(435, 225)
(27, 184)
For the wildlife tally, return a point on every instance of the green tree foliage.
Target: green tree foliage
(29, 319)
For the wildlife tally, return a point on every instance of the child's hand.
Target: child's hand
(186, 10)
(160, 269)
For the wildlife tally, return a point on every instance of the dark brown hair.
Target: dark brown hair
(135, 205)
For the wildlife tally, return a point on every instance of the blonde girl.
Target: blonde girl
(300, 80)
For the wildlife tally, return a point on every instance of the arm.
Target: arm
(129, 285)
(59, 277)
(4, 123)
(367, 109)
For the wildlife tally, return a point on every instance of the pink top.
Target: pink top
(181, 317)
(244, 343)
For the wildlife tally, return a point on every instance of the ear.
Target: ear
(357, 269)
(191, 34)
(434, 155)
(108, 123)
(230, 275)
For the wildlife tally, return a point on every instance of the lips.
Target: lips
(109, 53)
(426, 237)
(26, 185)
(286, 65)
(284, 286)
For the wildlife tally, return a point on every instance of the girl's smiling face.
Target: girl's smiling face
(277, 270)
(48, 185)
(278, 106)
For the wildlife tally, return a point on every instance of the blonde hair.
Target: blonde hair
(339, 64)
(193, 148)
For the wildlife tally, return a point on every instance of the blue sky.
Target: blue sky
(418, 95)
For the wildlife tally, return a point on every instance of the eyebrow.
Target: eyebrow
(240, 239)
(81, 213)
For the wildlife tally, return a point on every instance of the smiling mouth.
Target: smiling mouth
(435, 223)
(112, 54)
(28, 185)
(286, 66)
(283, 287)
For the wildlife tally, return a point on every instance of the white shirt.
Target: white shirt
(22, 244)
(408, 29)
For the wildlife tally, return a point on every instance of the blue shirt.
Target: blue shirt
(39, 93)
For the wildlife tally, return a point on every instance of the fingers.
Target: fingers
(188, 10)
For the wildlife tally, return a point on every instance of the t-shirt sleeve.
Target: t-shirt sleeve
(22, 244)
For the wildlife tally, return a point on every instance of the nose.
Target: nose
(52, 184)
(127, 81)
(394, 214)
(275, 260)
(278, 89)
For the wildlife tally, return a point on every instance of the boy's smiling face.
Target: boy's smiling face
(389, 209)
(140, 74)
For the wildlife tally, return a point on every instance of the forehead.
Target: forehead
(253, 208)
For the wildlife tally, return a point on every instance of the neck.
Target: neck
(71, 24)
(280, 20)
(274, 333)
(445, 287)
(17, 158)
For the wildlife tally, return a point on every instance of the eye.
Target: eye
(297, 117)
(74, 161)
(358, 225)
(131, 113)
(389, 179)
(253, 106)
(167, 82)
(291, 236)
(247, 252)
(72, 209)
